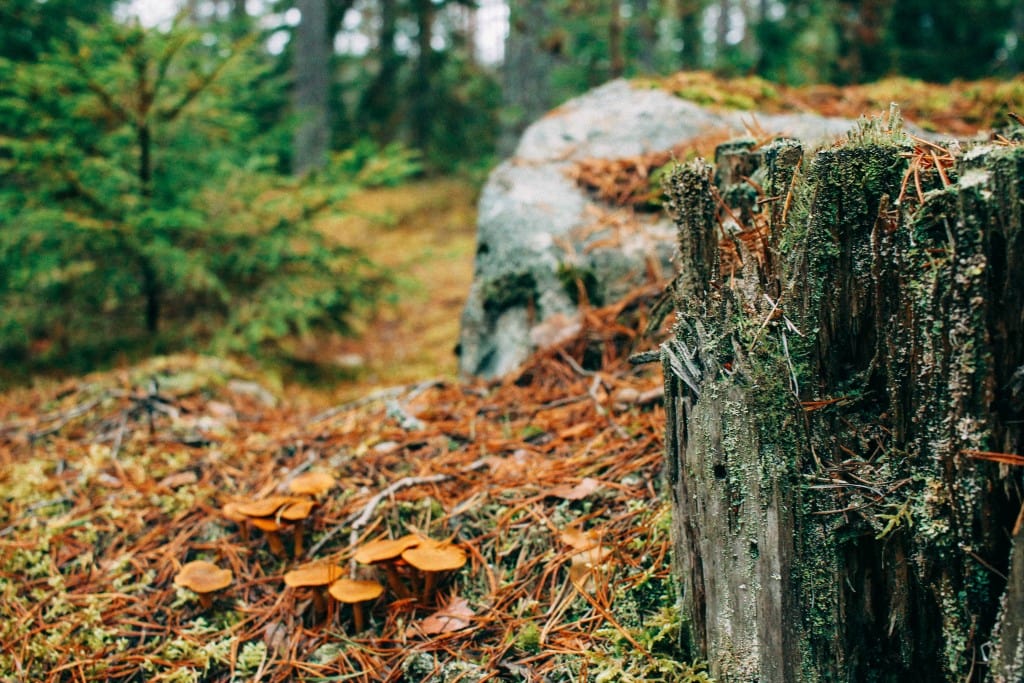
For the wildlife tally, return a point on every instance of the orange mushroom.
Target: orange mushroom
(273, 515)
(315, 483)
(203, 578)
(271, 528)
(316, 576)
(357, 594)
(230, 511)
(387, 553)
(264, 507)
(297, 512)
(434, 558)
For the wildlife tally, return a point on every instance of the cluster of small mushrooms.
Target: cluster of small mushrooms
(411, 564)
(277, 515)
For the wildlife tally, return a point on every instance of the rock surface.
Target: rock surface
(538, 232)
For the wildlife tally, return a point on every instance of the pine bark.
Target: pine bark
(421, 91)
(647, 14)
(312, 87)
(836, 395)
(379, 108)
(616, 55)
(691, 13)
(532, 50)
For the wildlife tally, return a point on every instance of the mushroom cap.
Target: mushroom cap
(384, 549)
(351, 591)
(230, 511)
(315, 483)
(300, 509)
(435, 557)
(313, 574)
(265, 524)
(200, 576)
(264, 507)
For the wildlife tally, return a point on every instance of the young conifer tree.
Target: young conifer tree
(140, 200)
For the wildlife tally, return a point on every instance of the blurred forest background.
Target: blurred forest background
(161, 181)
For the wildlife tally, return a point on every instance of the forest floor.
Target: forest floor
(424, 233)
(547, 482)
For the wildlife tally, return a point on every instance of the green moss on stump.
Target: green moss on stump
(842, 542)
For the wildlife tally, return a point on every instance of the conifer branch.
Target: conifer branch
(85, 194)
(122, 114)
(195, 90)
(174, 44)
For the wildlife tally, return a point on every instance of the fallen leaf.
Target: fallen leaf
(578, 492)
(555, 329)
(173, 481)
(583, 565)
(652, 396)
(624, 398)
(386, 447)
(520, 465)
(224, 412)
(576, 430)
(454, 616)
(579, 539)
(109, 480)
(275, 636)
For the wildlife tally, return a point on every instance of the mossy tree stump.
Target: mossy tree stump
(844, 373)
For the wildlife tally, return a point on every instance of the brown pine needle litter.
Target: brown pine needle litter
(110, 484)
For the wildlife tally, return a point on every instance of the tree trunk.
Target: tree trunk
(379, 108)
(647, 14)
(532, 50)
(336, 11)
(863, 53)
(691, 13)
(722, 31)
(1008, 658)
(151, 292)
(1015, 62)
(421, 92)
(239, 18)
(145, 142)
(312, 87)
(616, 58)
(843, 390)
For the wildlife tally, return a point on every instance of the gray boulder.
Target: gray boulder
(538, 233)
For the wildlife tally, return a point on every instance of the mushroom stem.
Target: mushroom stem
(357, 594)
(319, 604)
(205, 600)
(298, 540)
(429, 584)
(359, 614)
(276, 544)
(395, 581)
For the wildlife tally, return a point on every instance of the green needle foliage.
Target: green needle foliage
(141, 207)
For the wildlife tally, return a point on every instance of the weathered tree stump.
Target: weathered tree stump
(845, 391)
